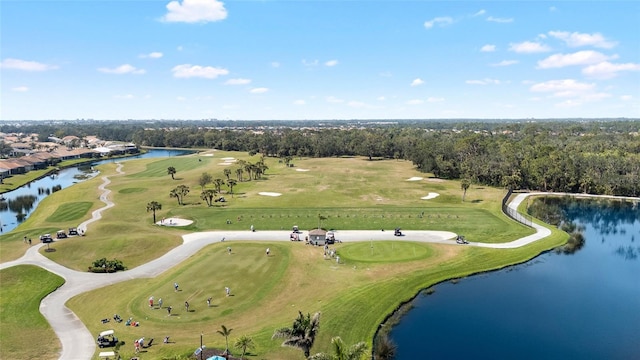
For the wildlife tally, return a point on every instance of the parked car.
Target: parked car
(46, 238)
(107, 339)
(73, 231)
(61, 234)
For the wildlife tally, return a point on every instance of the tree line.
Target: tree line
(578, 156)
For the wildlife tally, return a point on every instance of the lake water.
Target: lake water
(580, 306)
(25, 199)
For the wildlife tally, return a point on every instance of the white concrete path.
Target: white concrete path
(78, 343)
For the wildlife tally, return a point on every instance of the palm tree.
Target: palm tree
(171, 171)
(225, 332)
(239, 172)
(227, 173)
(208, 196)
(302, 333)
(179, 192)
(385, 349)
(231, 183)
(342, 352)
(243, 343)
(153, 206)
(464, 185)
(218, 183)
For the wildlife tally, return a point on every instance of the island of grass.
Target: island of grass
(354, 295)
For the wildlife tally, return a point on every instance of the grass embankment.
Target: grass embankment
(24, 332)
(350, 193)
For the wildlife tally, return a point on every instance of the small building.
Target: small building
(317, 237)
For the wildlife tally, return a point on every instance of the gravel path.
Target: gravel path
(79, 343)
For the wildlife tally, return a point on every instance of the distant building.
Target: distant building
(317, 236)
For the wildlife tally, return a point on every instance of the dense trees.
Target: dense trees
(594, 156)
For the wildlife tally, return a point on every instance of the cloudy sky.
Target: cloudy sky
(369, 59)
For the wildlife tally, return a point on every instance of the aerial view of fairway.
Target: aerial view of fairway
(354, 295)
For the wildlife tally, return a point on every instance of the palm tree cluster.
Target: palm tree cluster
(302, 333)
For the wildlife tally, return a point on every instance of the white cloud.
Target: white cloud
(20, 89)
(505, 63)
(626, 97)
(153, 55)
(25, 65)
(414, 102)
(499, 20)
(189, 71)
(180, 48)
(122, 69)
(576, 39)
(486, 81)
(275, 64)
(417, 82)
(299, 102)
(333, 99)
(479, 13)
(607, 70)
(585, 57)
(488, 48)
(238, 81)
(181, 98)
(356, 104)
(310, 63)
(562, 88)
(440, 21)
(381, 98)
(528, 47)
(432, 99)
(260, 90)
(195, 11)
(331, 63)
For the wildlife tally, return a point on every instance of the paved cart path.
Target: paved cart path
(79, 343)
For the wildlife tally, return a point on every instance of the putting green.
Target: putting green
(384, 252)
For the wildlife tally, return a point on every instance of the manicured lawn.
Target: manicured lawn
(348, 193)
(24, 333)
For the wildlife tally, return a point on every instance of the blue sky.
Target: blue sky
(201, 59)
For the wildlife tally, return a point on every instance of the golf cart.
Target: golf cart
(73, 231)
(461, 240)
(296, 230)
(397, 232)
(107, 339)
(330, 238)
(61, 234)
(46, 238)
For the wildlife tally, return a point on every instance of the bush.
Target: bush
(107, 266)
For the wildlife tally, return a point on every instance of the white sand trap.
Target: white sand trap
(302, 169)
(229, 159)
(174, 222)
(430, 196)
(206, 155)
(225, 163)
(415, 178)
(266, 193)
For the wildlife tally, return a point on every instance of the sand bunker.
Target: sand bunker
(206, 154)
(266, 193)
(225, 163)
(302, 169)
(229, 159)
(415, 178)
(174, 222)
(430, 196)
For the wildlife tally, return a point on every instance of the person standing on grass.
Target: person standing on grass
(160, 303)
(151, 302)
(268, 251)
(168, 310)
(186, 306)
(227, 290)
(175, 286)
(208, 302)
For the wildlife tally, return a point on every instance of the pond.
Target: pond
(580, 306)
(19, 203)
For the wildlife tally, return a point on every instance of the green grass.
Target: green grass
(70, 211)
(21, 324)
(351, 193)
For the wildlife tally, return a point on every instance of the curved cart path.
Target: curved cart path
(79, 343)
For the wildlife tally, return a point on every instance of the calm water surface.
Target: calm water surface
(25, 199)
(580, 306)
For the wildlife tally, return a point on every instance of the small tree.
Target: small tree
(179, 193)
(208, 196)
(231, 183)
(302, 334)
(244, 343)
(225, 332)
(205, 179)
(171, 171)
(227, 173)
(153, 206)
(464, 185)
(342, 352)
(218, 184)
